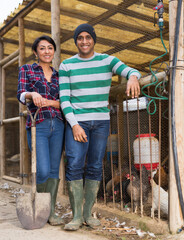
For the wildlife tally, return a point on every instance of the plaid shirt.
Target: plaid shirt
(31, 79)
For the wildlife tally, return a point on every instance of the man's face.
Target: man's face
(85, 45)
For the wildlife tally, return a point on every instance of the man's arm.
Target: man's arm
(131, 74)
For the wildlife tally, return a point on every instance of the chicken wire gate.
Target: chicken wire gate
(144, 196)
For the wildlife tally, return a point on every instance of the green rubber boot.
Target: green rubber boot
(75, 191)
(52, 187)
(90, 193)
(41, 187)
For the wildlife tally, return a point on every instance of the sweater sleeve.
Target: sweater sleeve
(64, 93)
(118, 67)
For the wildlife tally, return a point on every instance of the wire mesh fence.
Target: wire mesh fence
(135, 168)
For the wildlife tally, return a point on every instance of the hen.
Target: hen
(135, 188)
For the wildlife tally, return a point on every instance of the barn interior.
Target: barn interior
(127, 29)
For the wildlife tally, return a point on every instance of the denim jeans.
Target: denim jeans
(92, 151)
(49, 146)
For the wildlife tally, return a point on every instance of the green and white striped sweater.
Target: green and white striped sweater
(85, 84)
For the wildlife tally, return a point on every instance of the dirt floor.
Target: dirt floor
(111, 226)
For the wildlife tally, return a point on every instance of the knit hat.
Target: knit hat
(84, 28)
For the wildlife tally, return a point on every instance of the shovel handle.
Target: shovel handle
(33, 146)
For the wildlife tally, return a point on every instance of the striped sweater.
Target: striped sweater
(84, 85)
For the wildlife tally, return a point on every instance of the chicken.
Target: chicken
(126, 197)
(135, 188)
(164, 178)
(127, 187)
(124, 176)
(163, 198)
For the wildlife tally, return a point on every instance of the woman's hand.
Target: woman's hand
(38, 100)
(79, 133)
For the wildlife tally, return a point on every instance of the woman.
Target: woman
(39, 82)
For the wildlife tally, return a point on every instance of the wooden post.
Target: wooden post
(3, 154)
(175, 215)
(1, 116)
(55, 30)
(24, 166)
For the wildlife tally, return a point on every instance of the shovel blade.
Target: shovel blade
(33, 214)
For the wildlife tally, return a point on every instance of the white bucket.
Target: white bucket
(145, 151)
(133, 106)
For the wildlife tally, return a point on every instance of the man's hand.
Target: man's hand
(79, 133)
(133, 87)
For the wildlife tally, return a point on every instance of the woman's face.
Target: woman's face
(45, 52)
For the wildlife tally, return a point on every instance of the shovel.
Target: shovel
(33, 209)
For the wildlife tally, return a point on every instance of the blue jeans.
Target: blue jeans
(93, 151)
(49, 146)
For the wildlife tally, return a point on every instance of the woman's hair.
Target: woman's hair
(39, 39)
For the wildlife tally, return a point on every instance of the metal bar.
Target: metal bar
(159, 180)
(129, 153)
(119, 159)
(140, 162)
(112, 167)
(152, 213)
(103, 175)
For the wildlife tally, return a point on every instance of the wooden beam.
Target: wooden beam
(135, 42)
(175, 215)
(11, 120)
(115, 90)
(12, 179)
(102, 17)
(55, 29)
(121, 9)
(11, 62)
(101, 40)
(87, 17)
(111, 12)
(9, 58)
(1, 115)
(146, 64)
(15, 42)
(24, 165)
(37, 26)
(2, 127)
(21, 42)
(21, 14)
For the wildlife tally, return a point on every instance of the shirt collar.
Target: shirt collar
(35, 65)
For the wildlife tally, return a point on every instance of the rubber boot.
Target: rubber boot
(90, 193)
(52, 187)
(75, 191)
(41, 187)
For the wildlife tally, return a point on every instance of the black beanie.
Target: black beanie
(84, 28)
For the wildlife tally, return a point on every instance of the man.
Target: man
(85, 81)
